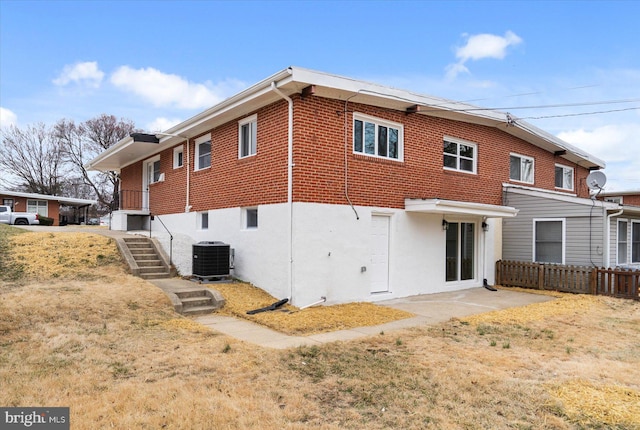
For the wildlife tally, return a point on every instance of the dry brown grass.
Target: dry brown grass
(242, 297)
(113, 350)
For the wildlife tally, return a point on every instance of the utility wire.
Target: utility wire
(578, 114)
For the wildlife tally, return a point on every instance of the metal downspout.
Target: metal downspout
(607, 235)
(274, 87)
(187, 206)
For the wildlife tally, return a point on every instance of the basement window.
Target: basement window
(250, 216)
(203, 220)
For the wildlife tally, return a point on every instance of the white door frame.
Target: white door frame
(380, 254)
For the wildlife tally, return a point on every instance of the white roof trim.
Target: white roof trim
(294, 79)
(556, 195)
(438, 206)
(70, 201)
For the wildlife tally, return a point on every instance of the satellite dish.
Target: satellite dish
(596, 180)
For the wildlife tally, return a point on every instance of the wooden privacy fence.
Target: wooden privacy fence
(571, 279)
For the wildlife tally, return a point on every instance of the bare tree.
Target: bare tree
(31, 160)
(83, 142)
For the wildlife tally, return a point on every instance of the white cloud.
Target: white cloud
(616, 145)
(7, 118)
(162, 89)
(480, 46)
(162, 124)
(609, 142)
(86, 73)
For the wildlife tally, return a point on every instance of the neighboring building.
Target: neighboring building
(329, 186)
(50, 206)
(626, 198)
(556, 227)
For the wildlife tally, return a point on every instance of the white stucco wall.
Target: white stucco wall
(330, 249)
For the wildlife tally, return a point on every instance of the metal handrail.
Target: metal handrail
(151, 216)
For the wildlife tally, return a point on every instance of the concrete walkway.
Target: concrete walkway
(428, 309)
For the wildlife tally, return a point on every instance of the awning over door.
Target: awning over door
(439, 206)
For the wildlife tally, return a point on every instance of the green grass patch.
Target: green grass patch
(9, 269)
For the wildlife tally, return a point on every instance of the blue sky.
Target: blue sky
(571, 68)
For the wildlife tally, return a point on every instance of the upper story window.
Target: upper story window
(460, 155)
(377, 137)
(521, 168)
(564, 177)
(178, 157)
(247, 136)
(203, 152)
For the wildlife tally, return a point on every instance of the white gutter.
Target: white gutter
(607, 235)
(275, 89)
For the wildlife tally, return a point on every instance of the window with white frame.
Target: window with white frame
(377, 137)
(203, 152)
(153, 171)
(616, 199)
(635, 242)
(247, 136)
(203, 220)
(549, 240)
(178, 156)
(564, 177)
(40, 207)
(8, 202)
(521, 168)
(250, 218)
(460, 155)
(622, 242)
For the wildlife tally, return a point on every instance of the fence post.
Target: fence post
(498, 280)
(541, 277)
(593, 281)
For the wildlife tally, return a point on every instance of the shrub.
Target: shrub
(45, 220)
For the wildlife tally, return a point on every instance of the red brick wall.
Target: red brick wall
(319, 153)
(169, 196)
(633, 200)
(131, 186)
(319, 158)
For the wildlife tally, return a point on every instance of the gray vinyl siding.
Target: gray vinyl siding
(583, 228)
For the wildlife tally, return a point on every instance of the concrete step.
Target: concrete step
(136, 245)
(155, 275)
(149, 263)
(194, 302)
(140, 257)
(198, 310)
(153, 269)
(193, 292)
